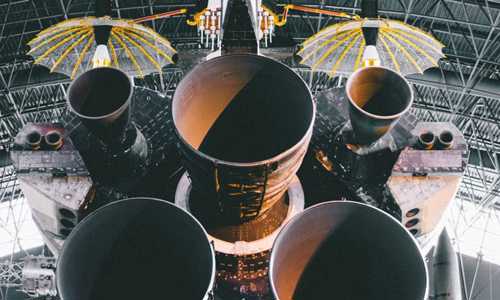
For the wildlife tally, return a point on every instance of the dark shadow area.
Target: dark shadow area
(263, 120)
(136, 249)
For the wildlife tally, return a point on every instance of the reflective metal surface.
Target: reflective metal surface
(137, 248)
(244, 122)
(346, 250)
(378, 97)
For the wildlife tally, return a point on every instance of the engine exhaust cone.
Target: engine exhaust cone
(53, 139)
(101, 98)
(445, 140)
(34, 139)
(426, 140)
(346, 250)
(137, 248)
(378, 97)
(244, 122)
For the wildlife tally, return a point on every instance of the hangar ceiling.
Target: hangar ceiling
(465, 89)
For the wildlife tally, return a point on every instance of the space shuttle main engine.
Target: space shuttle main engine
(378, 97)
(101, 98)
(244, 123)
(137, 248)
(346, 250)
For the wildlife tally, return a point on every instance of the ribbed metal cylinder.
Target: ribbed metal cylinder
(244, 123)
(346, 250)
(242, 251)
(137, 248)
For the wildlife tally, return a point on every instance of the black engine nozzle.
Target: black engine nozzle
(101, 98)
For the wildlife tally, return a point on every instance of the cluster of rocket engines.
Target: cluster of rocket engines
(255, 163)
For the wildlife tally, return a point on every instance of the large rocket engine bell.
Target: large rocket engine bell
(244, 123)
(137, 248)
(346, 250)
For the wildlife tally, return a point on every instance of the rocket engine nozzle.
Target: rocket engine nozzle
(137, 248)
(53, 139)
(244, 122)
(346, 250)
(101, 98)
(378, 97)
(427, 140)
(34, 139)
(445, 140)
